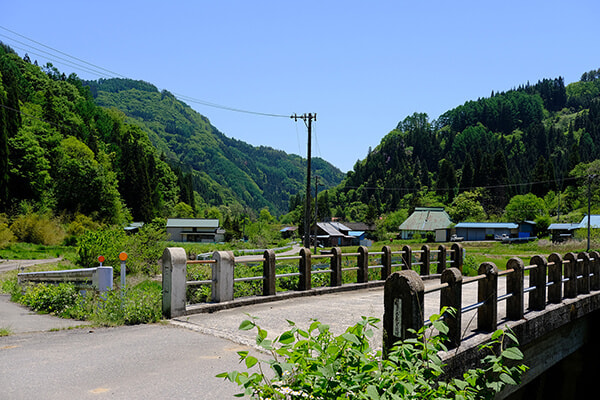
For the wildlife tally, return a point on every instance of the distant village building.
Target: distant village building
(194, 230)
(485, 230)
(563, 231)
(424, 220)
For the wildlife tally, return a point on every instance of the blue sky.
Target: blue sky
(361, 66)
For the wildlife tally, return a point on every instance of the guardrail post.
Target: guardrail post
(305, 269)
(537, 279)
(362, 262)
(174, 269)
(222, 276)
(425, 260)
(515, 306)
(570, 266)
(595, 270)
(336, 267)
(487, 293)
(457, 256)
(403, 300)
(406, 257)
(386, 262)
(269, 266)
(555, 271)
(583, 270)
(451, 296)
(442, 255)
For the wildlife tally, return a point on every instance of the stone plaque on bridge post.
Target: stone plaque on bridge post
(403, 300)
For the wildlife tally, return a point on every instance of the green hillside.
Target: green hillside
(539, 139)
(224, 169)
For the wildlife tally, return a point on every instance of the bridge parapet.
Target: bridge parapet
(337, 265)
(547, 285)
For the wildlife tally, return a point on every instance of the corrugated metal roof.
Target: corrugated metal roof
(192, 223)
(426, 219)
(329, 229)
(489, 225)
(594, 221)
(563, 227)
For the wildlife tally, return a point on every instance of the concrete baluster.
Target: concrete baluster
(487, 293)
(335, 264)
(537, 279)
(269, 268)
(386, 262)
(305, 268)
(362, 275)
(515, 306)
(403, 300)
(555, 271)
(425, 260)
(457, 256)
(174, 270)
(451, 296)
(583, 270)
(570, 266)
(406, 258)
(442, 254)
(222, 276)
(594, 270)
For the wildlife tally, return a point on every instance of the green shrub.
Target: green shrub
(316, 364)
(139, 305)
(50, 298)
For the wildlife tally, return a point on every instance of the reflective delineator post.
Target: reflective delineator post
(123, 258)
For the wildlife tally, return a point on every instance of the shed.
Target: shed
(485, 230)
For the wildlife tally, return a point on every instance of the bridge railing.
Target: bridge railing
(305, 266)
(551, 280)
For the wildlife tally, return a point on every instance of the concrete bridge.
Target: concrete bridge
(549, 302)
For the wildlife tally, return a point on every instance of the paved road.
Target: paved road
(162, 360)
(9, 265)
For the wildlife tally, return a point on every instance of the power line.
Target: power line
(97, 70)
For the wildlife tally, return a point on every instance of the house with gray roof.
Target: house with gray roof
(194, 230)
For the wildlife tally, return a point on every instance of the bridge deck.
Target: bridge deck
(339, 310)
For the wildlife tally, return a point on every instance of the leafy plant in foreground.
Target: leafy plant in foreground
(316, 364)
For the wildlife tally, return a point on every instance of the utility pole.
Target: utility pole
(307, 118)
(316, 209)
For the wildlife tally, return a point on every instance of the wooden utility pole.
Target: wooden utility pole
(307, 118)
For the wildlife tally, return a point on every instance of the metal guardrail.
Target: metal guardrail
(98, 278)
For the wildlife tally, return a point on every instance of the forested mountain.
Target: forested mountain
(526, 140)
(223, 169)
(62, 152)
